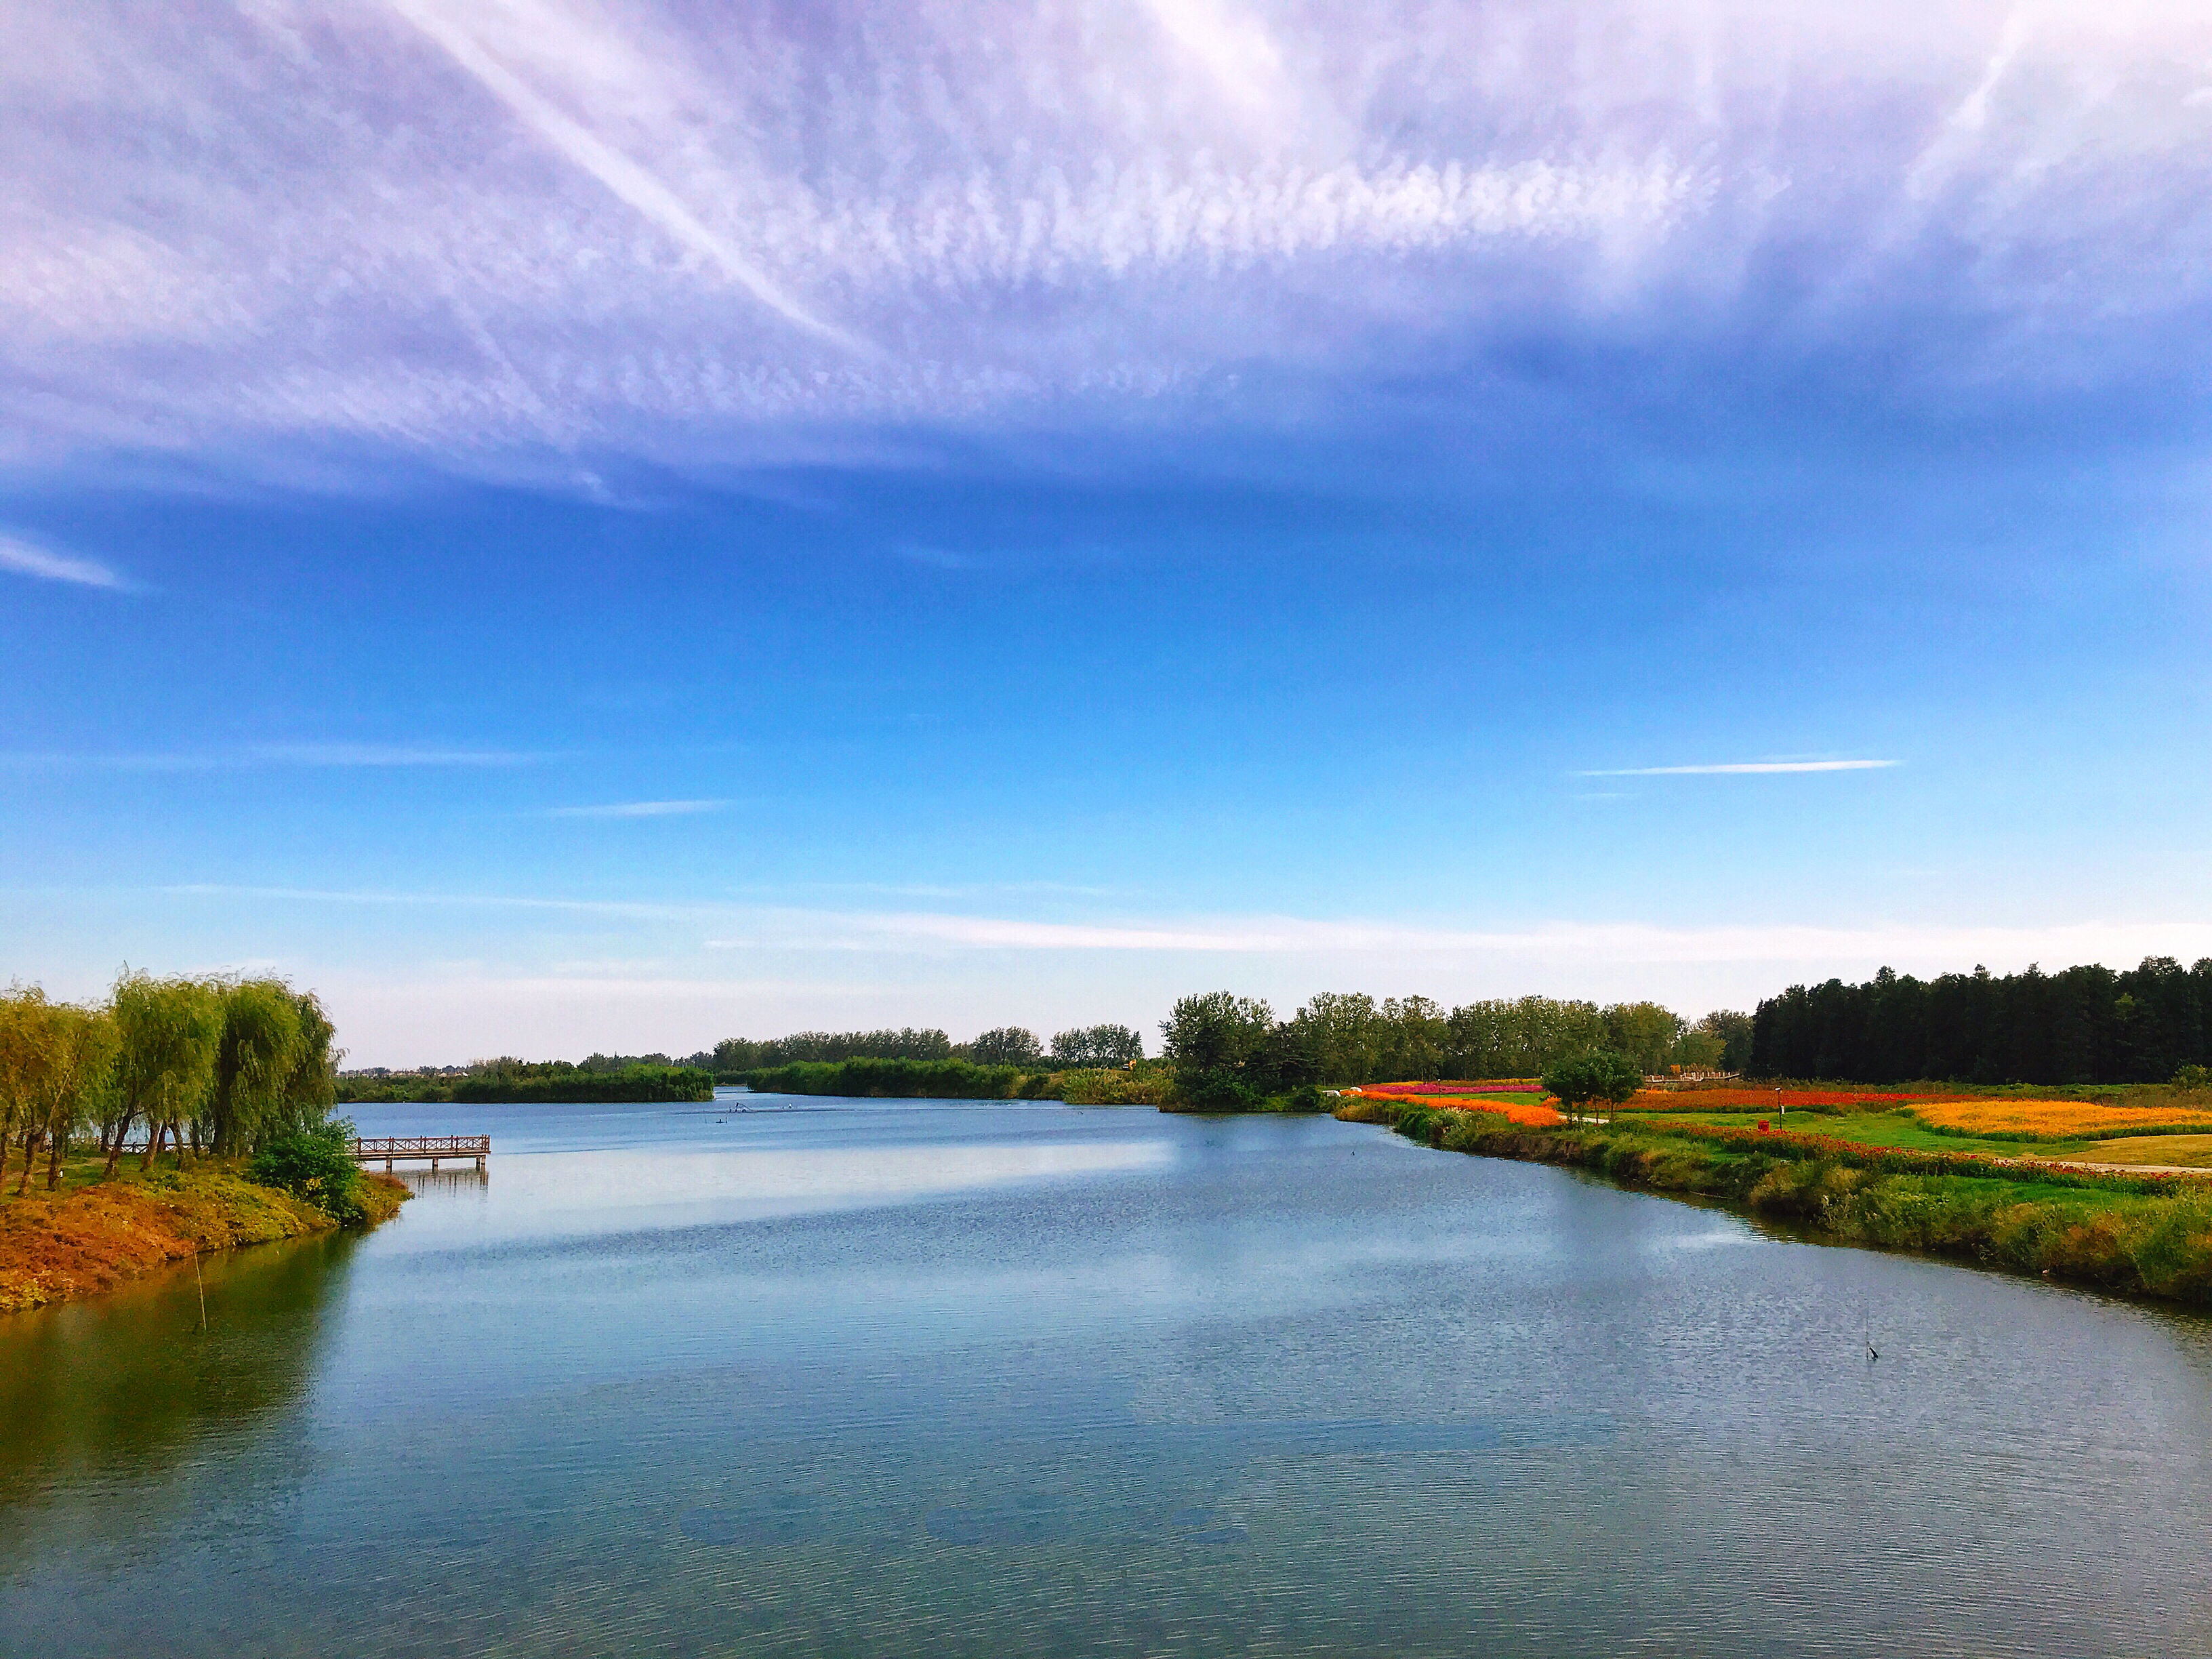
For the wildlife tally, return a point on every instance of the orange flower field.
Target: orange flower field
(1513, 1111)
(2058, 1119)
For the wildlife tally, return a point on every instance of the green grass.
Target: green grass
(1861, 1129)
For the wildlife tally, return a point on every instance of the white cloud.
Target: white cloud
(27, 559)
(1740, 768)
(475, 227)
(791, 928)
(638, 809)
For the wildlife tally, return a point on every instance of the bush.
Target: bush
(1215, 1091)
(316, 1166)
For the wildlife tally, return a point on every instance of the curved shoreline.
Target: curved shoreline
(2131, 1232)
(87, 1240)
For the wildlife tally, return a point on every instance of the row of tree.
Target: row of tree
(226, 1065)
(1344, 1038)
(2086, 1024)
(1006, 1045)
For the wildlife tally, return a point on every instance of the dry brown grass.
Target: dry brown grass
(93, 1235)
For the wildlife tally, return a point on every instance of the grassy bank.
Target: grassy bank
(2136, 1235)
(93, 1235)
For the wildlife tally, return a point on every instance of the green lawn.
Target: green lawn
(1865, 1129)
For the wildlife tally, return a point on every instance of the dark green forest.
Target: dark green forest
(2087, 1024)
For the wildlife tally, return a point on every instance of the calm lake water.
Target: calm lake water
(852, 1377)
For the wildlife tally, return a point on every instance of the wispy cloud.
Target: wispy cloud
(1566, 942)
(1739, 768)
(469, 225)
(28, 559)
(638, 809)
(381, 754)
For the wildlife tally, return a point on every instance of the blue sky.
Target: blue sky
(574, 526)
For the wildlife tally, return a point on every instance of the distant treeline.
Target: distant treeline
(2088, 1024)
(1006, 1045)
(1339, 1038)
(515, 1081)
(903, 1080)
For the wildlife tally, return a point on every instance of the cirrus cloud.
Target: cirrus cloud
(24, 558)
(484, 227)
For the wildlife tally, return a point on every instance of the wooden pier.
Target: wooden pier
(369, 1149)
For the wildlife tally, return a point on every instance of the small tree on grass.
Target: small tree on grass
(1593, 1075)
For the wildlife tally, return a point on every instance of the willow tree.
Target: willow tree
(311, 1088)
(171, 1032)
(81, 1079)
(254, 1062)
(27, 1040)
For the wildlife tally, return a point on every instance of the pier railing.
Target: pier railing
(370, 1149)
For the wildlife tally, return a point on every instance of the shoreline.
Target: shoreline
(2129, 1232)
(97, 1236)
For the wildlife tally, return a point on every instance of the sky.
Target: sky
(571, 526)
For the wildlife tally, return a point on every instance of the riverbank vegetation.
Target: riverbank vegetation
(231, 1080)
(510, 1081)
(1087, 1047)
(2136, 1235)
(902, 1079)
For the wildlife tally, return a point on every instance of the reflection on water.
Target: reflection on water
(131, 1392)
(851, 1378)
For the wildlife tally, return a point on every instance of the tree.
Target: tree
(1006, 1045)
(171, 1032)
(311, 1088)
(253, 1063)
(27, 1036)
(1644, 1031)
(1097, 1045)
(1518, 1038)
(1731, 1031)
(1341, 1029)
(1214, 1032)
(79, 1076)
(1597, 1074)
(1413, 1031)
